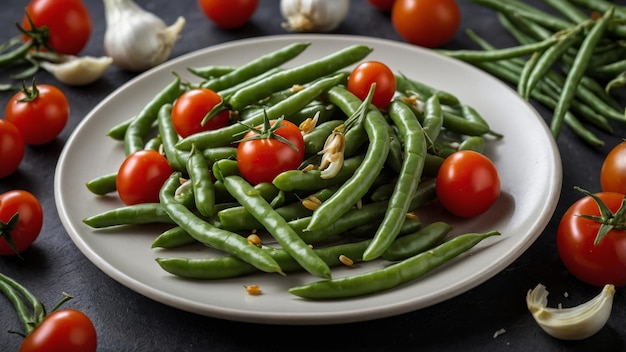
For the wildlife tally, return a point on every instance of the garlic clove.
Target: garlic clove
(78, 71)
(137, 39)
(574, 323)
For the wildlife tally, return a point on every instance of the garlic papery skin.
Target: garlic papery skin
(574, 323)
(313, 15)
(137, 39)
(78, 71)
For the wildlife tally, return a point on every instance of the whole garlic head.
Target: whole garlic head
(135, 39)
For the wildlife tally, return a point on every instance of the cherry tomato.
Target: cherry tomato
(366, 73)
(261, 159)
(604, 263)
(467, 183)
(11, 148)
(66, 330)
(140, 177)
(40, 113)
(382, 5)
(190, 109)
(426, 23)
(613, 172)
(30, 220)
(68, 21)
(228, 14)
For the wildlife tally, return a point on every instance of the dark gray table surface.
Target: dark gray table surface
(128, 321)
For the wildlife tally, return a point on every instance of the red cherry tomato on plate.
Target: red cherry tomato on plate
(262, 159)
(190, 109)
(596, 264)
(140, 177)
(467, 183)
(366, 73)
(11, 148)
(68, 21)
(40, 113)
(426, 23)
(29, 220)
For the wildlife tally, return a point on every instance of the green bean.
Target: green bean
(203, 190)
(143, 213)
(239, 218)
(409, 226)
(228, 266)
(19, 295)
(617, 81)
(521, 9)
(459, 124)
(609, 70)
(141, 124)
(302, 74)
(154, 143)
(603, 6)
(256, 67)
(118, 131)
(169, 138)
(393, 275)
(102, 185)
(326, 112)
(547, 60)
(218, 153)
(298, 180)
(500, 54)
(407, 85)
(354, 217)
(276, 226)
(408, 180)
(348, 103)
(227, 135)
(20, 307)
(424, 239)
(356, 186)
(395, 156)
(211, 71)
(210, 235)
(433, 119)
(578, 68)
(225, 167)
(173, 238)
(475, 143)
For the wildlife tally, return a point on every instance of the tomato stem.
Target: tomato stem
(607, 218)
(267, 131)
(5, 232)
(29, 94)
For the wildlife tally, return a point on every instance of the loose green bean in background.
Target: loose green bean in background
(393, 275)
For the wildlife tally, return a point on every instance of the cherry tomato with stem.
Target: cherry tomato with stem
(229, 14)
(467, 183)
(613, 171)
(40, 113)
(140, 177)
(68, 22)
(268, 150)
(66, 330)
(591, 239)
(21, 220)
(365, 74)
(12, 148)
(190, 109)
(426, 23)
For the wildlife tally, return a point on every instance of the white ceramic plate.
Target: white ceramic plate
(526, 158)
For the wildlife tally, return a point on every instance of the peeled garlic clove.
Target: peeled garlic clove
(575, 323)
(78, 71)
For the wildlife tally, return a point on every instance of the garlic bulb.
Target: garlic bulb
(136, 39)
(77, 71)
(313, 15)
(575, 323)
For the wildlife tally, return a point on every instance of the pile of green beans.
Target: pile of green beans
(364, 213)
(569, 59)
